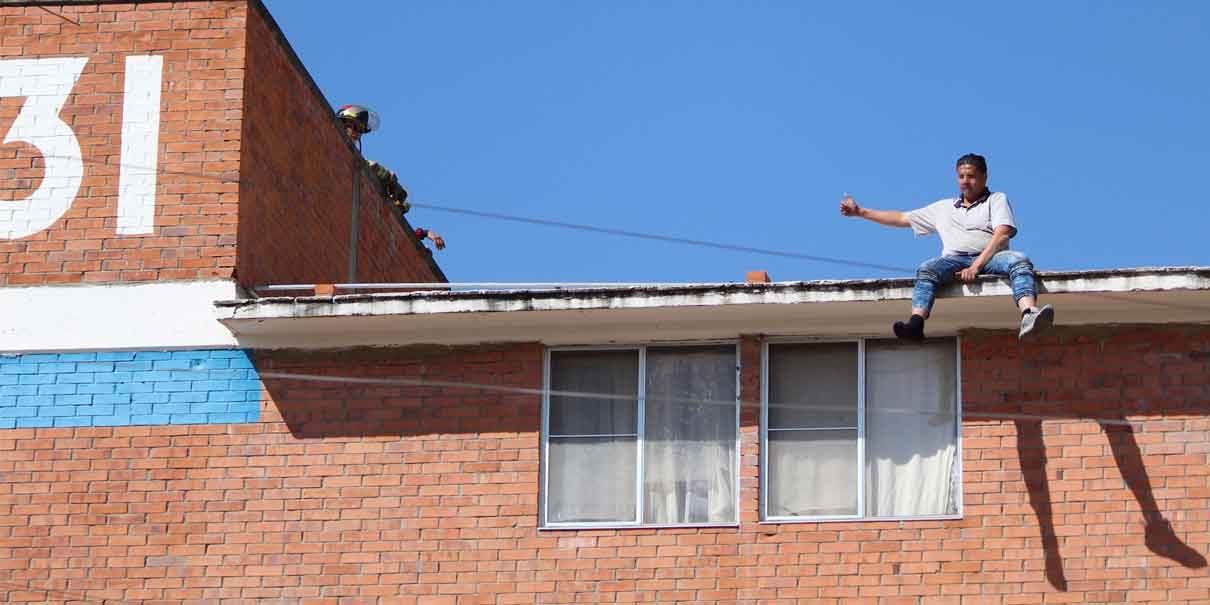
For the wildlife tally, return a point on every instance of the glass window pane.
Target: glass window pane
(689, 435)
(812, 473)
(592, 480)
(609, 372)
(813, 385)
(911, 428)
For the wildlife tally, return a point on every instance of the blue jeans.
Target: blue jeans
(936, 272)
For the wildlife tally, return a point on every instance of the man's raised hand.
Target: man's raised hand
(437, 240)
(848, 206)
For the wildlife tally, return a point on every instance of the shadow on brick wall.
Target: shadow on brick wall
(1159, 536)
(317, 409)
(1143, 374)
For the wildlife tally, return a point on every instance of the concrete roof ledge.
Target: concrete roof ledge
(720, 310)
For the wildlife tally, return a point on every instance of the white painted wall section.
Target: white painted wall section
(162, 315)
(140, 144)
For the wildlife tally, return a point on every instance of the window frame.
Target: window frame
(955, 482)
(641, 349)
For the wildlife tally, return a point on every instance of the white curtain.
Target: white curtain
(812, 458)
(910, 428)
(689, 455)
(593, 449)
(592, 480)
(812, 473)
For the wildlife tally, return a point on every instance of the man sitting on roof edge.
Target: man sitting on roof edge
(975, 230)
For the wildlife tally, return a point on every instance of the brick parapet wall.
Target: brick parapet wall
(363, 493)
(298, 168)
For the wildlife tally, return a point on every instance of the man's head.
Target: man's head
(972, 175)
(357, 120)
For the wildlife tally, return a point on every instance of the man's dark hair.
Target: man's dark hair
(973, 159)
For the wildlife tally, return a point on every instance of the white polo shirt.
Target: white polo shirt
(964, 230)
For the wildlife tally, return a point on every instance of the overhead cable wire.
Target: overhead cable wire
(571, 394)
(575, 226)
(138, 168)
(59, 15)
(660, 238)
(633, 234)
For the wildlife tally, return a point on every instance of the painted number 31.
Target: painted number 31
(46, 84)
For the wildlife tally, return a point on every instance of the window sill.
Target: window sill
(782, 520)
(624, 526)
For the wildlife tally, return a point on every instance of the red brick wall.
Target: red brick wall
(202, 45)
(297, 184)
(280, 181)
(346, 493)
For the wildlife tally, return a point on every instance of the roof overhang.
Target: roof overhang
(823, 309)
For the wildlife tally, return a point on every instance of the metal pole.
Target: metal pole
(355, 223)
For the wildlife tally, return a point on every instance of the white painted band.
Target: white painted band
(158, 315)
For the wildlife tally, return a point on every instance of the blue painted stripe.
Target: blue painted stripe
(128, 388)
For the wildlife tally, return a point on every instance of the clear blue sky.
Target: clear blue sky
(745, 122)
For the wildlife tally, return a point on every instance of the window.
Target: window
(864, 429)
(659, 448)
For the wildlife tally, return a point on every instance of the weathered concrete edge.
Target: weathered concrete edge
(1156, 279)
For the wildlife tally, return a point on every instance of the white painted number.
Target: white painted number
(140, 142)
(46, 84)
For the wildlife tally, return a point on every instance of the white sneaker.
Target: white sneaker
(1036, 322)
